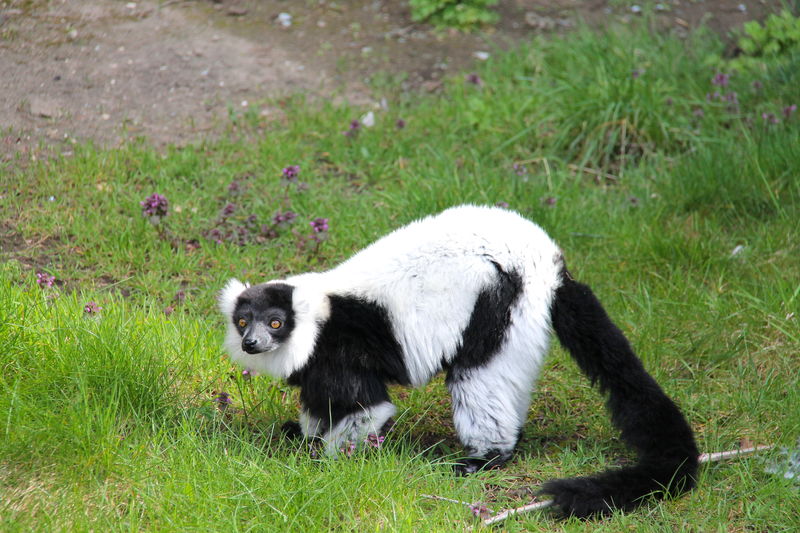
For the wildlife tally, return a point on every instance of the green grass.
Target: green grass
(110, 422)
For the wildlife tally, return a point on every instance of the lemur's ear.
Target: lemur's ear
(228, 295)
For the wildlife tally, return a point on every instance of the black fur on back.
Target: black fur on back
(649, 421)
(356, 354)
(488, 323)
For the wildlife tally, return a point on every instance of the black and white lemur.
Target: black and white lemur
(474, 292)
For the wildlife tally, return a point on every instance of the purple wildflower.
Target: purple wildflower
(501, 204)
(168, 310)
(720, 79)
(355, 127)
(636, 73)
(247, 374)
(757, 85)
(520, 169)
(223, 400)
(770, 117)
(789, 110)
(235, 187)
(45, 280)
(284, 219)
(400, 124)
(228, 210)
(155, 207)
(550, 201)
(349, 450)
(698, 112)
(374, 440)
(179, 297)
(92, 308)
(291, 172)
(320, 225)
(480, 510)
(732, 98)
(474, 79)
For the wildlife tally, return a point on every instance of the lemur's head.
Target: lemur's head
(262, 315)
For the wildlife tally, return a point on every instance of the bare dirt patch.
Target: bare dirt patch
(170, 71)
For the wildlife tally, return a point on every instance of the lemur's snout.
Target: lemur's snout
(249, 344)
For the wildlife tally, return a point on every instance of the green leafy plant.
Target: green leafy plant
(461, 14)
(779, 35)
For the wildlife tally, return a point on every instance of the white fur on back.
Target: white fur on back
(429, 273)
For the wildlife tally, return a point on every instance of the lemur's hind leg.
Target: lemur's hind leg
(491, 400)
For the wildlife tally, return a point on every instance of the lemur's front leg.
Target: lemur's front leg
(309, 427)
(353, 428)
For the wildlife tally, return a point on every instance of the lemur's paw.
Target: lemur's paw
(291, 429)
(470, 465)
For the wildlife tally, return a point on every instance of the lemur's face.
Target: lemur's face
(263, 316)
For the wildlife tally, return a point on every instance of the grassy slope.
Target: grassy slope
(109, 421)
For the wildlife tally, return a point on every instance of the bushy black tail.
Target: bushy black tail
(650, 422)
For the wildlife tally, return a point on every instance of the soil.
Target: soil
(109, 70)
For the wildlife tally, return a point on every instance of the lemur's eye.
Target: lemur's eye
(275, 324)
(242, 322)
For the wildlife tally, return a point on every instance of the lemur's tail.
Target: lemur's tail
(650, 422)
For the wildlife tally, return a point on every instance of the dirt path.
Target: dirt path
(109, 70)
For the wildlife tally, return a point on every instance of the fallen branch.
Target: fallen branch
(719, 456)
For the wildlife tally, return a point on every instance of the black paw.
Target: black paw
(470, 465)
(291, 429)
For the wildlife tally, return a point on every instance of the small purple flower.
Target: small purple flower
(374, 440)
(92, 308)
(550, 201)
(636, 73)
(474, 79)
(228, 210)
(757, 85)
(789, 110)
(400, 124)
(284, 219)
(349, 450)
(319, 225)
(480, 510)
(520, 169)
(770, 117)
(710, 97)
(291, 173)
(698, 112)
(668, 101)
(235, 187)
(155, 207)
(223, 400)
(355, 127)
(720, 79)
(501, 204)
(45, 280)
(732, 98)
(246, 374)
